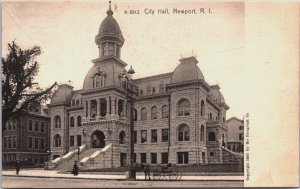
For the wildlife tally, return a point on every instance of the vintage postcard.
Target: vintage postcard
(190, 94)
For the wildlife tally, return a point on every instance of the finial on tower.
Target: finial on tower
(109, 12)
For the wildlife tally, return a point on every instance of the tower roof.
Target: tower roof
(109, 28)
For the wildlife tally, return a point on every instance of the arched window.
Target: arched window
(30, 125)
(141, 92)
(183, 133)
(134, 115)
(202, 133)
(144, 114)
(57, 121)
(211, 136)
(183, 107)
(161, 88)
(57, 141)
(165, 112)
(202, 108)
(154, 112)
(122, 137)
(72, 122)
(78, 121)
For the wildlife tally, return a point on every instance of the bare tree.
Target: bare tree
(19, 91)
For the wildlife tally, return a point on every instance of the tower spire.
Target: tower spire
(109, 12)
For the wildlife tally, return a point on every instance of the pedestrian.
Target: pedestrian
(75, 169)
(18, 166)
(146, 169)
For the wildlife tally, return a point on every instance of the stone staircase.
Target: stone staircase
(231, 157)
(67, 165)
(100, 158)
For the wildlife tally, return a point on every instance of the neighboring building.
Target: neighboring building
(178, 117)
(26, 138)
(235, 134)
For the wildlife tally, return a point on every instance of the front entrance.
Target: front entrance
(97, 139)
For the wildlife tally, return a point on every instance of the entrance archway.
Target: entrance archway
(97, 139)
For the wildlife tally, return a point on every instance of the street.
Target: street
(29, 182)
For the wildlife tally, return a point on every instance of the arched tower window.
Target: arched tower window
(165, 112)
(78, 121)
(57, 141)
(202, 133)
(72, 122)
(202, 108)
(211, 136)
(154, 112)
(144, 114)
(183, 133)
(122, 137)
(183, 107)
(57, 121)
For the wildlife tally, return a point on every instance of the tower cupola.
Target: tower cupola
(109, 38)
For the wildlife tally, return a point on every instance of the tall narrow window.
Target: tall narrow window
(104, 49)
(165, 135)
(30, 142)
(42, 144)
(202, 133)
(14, 142)
(36, 126)
(143, 136)
(135, 137)
(78, 121)
(143, 158)
(183, 107)
(72, 122)
(78, 140)
(153, 135)
(36, 143)
(103, 107)
(148, 90)
(183, 133)
(164, 157)
(57, 121)
(122, 137)
(154, 112)
(30, 125)
(144, 114)
(165, 111)
(134, 115)
(57, 141)
(153, 158)
(111, 48)
(71, 140)
(202, 108)
(42, 127)
(161, 88)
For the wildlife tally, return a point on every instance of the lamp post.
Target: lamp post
(131, 92)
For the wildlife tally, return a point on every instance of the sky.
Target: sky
(250, 49)
(153, 45)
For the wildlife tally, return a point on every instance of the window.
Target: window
(135, 137)
(148, 90)
(165, 135)
(182, 157)
(77, 102)
(154, 112)
(153, 158)
(72, 122)
(73, 102)
(143, 136)
(202, 108)
(165, 112)
(36, 126)
(153, 90)
(78, 140)
(36, 143)
(5, 142)
(223, 119)
(202, 133)
(30, 143)
(161, 88)
(122, 137)
(143, 158)
(57, 141)
(42, 144)
(30, 125)
(71, 140)
(57, 121)
(241, 136)
(241, 127)
(111, 48)
(42, 127)
(97, 81)
(141, 92)
(104, 49)
(9, 142)
(14, 142)
(183, 107)
(134, 115)
(14, 124)
(183, 133)
(154, 136)
(78, 121)
(211, 153)
(211, 136)
(164, 158)
(103, 107)
(144, 114)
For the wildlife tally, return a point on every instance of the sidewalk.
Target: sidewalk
(140, 176)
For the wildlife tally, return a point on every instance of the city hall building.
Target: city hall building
(178, 117)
